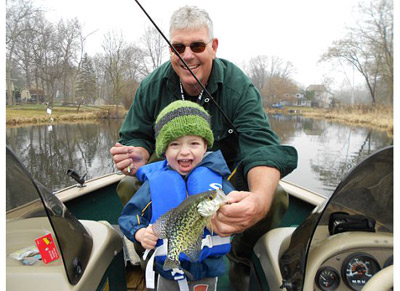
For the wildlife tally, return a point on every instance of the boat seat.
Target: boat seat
(130, 254)
(22, 233)
(268, 249)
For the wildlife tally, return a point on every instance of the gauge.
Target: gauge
(358, 268)
(327, 279)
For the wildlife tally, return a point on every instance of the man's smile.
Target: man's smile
(192, 67)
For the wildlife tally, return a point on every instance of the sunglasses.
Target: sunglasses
(196, 47)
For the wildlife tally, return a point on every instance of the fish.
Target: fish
(183, 226)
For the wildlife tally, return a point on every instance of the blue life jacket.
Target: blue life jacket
(168, 189)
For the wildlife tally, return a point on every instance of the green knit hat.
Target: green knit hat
(181, 118)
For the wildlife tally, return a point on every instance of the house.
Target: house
(301, 100)
(322, 98)
(25, 95)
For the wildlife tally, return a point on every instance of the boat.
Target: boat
(343, 242)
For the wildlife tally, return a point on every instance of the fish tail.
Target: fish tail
(169, 264)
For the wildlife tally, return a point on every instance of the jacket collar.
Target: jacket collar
(216, 77)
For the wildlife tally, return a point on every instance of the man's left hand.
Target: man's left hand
(244, 209)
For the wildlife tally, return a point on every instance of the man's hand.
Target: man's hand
(244, 209)
(128, 158)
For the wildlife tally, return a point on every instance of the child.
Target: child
(183, 134)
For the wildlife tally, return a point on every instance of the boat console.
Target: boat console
(346, 243)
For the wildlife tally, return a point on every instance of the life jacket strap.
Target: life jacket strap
(213, 240)
(150, 274)
(209, 241)
(178, 274)
(180, 277)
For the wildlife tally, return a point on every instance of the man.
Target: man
(250, 147)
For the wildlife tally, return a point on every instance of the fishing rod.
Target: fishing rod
(233, 128)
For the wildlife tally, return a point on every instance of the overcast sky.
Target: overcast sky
(296, 31)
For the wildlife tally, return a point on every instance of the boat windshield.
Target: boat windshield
(362, 201)
(33, 213)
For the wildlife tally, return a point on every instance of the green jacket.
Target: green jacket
(255, 144)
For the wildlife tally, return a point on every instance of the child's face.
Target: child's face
(184, 153)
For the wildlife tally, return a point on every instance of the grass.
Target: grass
(35, 114)
(379, 116)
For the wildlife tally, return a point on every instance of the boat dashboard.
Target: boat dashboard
(341, 262)
(347, 261)
(346, 243)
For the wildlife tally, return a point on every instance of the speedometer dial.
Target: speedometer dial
(358, 268)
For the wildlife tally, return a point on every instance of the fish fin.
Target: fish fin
(160, 225)
(210, 227)
(193, 251)
(159, 229)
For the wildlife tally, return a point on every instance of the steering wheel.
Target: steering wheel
(383, 280)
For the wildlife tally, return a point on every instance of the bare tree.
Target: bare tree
(258, 70)
(113, 47)
(378, 30)
(49, 57)
(103, 80)
(70, 35)
(368, 47)
(18, 14)
(121, 63)
(154, 48)
(261, 68)
(271, 75)
(23, 53)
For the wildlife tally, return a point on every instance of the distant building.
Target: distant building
(25, 95)
(99, 102)
(301, 100)
(322, 98)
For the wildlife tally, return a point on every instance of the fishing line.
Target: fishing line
(233, 128)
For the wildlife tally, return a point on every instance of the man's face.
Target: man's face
(200, 63)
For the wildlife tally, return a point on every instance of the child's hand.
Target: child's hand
(146, 237)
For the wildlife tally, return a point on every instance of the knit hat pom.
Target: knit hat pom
(181, 118)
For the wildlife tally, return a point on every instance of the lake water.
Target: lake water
(327, 150)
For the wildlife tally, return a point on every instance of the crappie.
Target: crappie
(183, 226)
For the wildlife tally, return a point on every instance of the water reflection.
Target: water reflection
(48, 151)
(327, 150)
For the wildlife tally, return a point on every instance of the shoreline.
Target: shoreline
(27, 115)
(378, 117)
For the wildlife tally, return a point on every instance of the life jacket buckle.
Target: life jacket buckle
(207, 242)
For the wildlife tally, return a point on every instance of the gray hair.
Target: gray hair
(191, 17)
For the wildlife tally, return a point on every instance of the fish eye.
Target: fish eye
(210, 197)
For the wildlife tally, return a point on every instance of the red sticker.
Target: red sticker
(201, 287)
(47, 248)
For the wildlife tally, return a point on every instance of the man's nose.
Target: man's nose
(188, 53)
